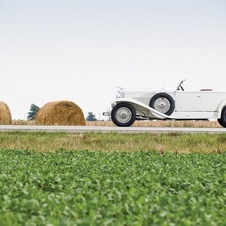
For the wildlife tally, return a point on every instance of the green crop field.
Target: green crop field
(112, 179)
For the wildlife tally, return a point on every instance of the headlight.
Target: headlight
(120, 93)
(113, 104)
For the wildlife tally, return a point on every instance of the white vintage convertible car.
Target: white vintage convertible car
(177, 104)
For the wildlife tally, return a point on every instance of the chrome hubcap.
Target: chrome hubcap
(162, 105)
(123, 115)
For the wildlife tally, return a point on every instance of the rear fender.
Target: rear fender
(220, 107)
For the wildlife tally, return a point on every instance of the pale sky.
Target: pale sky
(82, 50)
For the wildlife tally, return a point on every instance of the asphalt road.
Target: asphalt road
(79, 129)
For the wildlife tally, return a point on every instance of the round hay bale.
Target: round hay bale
(5, 114)
(60, 113)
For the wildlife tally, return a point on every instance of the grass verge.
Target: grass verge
(170, 142)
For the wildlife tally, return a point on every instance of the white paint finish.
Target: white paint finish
(187, 101)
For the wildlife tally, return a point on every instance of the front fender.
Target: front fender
(143, 108)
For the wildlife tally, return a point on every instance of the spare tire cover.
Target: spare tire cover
(163, 103)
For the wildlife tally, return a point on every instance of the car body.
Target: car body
(173, 104)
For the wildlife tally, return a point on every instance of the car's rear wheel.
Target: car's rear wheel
(222, 119)
(163, 103)
(123, 114)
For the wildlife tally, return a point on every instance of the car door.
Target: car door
(187, 101)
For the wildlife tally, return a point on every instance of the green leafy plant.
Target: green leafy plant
(111, 188)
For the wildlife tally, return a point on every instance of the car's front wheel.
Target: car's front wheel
(222, 119)
(123, 114)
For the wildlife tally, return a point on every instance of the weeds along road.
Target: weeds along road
(133, 129)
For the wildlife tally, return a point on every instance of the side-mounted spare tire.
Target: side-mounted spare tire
(123, 114)
(222, 119)
(163, 103)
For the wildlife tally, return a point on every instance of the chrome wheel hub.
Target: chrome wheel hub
(162, 105)
(123, 115)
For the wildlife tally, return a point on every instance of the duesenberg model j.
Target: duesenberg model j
(145, 104)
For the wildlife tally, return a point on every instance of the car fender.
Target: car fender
(220, 107)
(142, 108)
